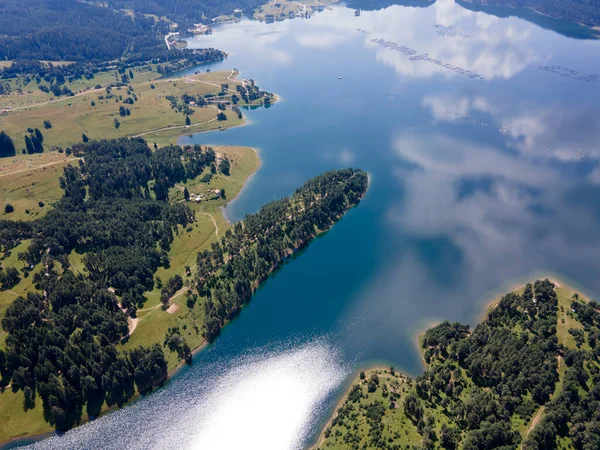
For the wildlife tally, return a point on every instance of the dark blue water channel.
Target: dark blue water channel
(477, 183)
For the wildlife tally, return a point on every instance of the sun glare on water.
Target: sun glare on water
(268, 399)
(267, 403)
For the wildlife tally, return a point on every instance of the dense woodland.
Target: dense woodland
(63, 336)
(73, 31)
(229, 273)
(479, 384)
(70, 30)
(586, 12)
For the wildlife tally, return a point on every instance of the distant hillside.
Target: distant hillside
(74, 31)
(586, 12)
(186, 11)
(375, 5)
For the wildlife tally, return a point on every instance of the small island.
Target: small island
(527, 377)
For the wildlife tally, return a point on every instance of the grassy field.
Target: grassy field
(13, 417)
(27, 93)
(350, 426)
(153, 321)
(151, 115)
(25, 182)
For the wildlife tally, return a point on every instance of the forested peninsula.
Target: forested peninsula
(64, 339)
(527, 377)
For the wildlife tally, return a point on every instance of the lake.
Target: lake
(480, 135)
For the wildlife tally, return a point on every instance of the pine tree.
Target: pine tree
(7, 147)
(29, 145)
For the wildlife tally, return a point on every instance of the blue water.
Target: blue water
(476, 184)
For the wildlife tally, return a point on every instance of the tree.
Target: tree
(29, 145)
(221, 116)
(117, 123)
(84, 138)
(9, 278)
(7, 147)
(450, 437)
(39, 135)
(186, 193)
(47, 124)
(8, 208)
(224, 166)
(29, 398)
(188, 122)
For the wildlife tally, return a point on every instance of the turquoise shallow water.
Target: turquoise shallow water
(476, 183)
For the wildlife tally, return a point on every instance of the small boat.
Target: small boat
(339, 78)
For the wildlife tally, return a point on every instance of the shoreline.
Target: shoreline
(594, 29)
(244, 186)
(417, 335)
(30, 439)
(342, 400)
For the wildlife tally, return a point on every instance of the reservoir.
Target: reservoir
(479, 131)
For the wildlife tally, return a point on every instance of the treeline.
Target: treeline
(235, 266)
(61, 338)
(586, 12)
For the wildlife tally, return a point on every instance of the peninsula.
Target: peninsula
(527, 377)
(110, 299)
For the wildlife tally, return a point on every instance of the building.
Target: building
(200, 28)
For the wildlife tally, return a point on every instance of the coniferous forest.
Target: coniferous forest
(70, 30)
(63, 336)
(229, 273)
(513, 381)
